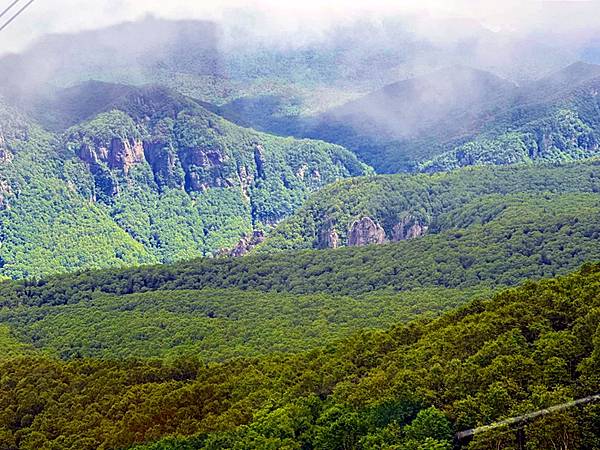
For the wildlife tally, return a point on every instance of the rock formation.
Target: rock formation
(365, 232)
(165, 164)
(247, 243)
(408, 228)
(206, 168)
(328, 237)
(121, 154)
(5, 155)
(5, 193)
(246, 178)
(259, 160)
(125, 153)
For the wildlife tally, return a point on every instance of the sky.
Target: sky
(293, 16)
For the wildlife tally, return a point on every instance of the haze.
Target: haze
(300, 20)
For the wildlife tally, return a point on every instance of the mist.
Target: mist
(298, 22)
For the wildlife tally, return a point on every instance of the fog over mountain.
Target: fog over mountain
(303, 18)
(299, 224)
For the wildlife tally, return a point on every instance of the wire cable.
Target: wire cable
(9, 8)
(18, 13)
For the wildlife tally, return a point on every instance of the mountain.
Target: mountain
(303, 76)
(131, 53)
(408, 121)
(150, 170)
(450, 238)
(391, 208)
(313, 88)
(522, 350)
(45, 224)
(553, 119)
(225, 308)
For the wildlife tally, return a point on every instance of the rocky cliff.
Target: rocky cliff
(246, 244)
(328, 237)
(365, 232)
(5, 193)
(408, 228)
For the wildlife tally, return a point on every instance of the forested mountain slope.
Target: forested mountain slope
(46, 226)
(164, 177)
(390, 208)
(222, 308)
(413, 386)
(499, 241)
(459, 116)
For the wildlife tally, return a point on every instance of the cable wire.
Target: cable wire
(9, 8)
(18, 13)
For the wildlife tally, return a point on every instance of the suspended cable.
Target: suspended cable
(9, 8)
(18, 13)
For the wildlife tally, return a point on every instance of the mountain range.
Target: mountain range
(146, 176)
(369, 238)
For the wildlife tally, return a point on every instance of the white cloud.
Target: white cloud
(46, 16)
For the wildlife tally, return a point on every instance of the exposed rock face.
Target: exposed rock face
(328, 238)
(165, 164)
(408, 228)
(314, 174)
(205, 168)
(259, 159)
(365, 232)
(301, 171)
(247, 243)
(122, 154)
(192, 169)
(5, 192)
(246, 178)
(5, 155)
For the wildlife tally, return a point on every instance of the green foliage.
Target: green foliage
(48, 225)
(407, 388)
(215, 324)
(160, 180)
(531, 237)
(442, 201)
(563, 136)
(469, 118)
(9, 346)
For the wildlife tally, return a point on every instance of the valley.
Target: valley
(251, 229)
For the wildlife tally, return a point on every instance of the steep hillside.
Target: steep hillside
(173, 180)
(268, 80)
(399, 207)
(46, 226)
(554, 119)
(503, 243)
(222, 308)
(406, 121)
(457, 117)
(411, 387)
(132, 53)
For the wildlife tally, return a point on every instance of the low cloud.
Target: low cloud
(297, 20)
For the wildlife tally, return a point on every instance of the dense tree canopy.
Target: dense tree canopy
(407, 388)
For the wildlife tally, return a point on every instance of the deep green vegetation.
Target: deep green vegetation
(156, 179)
(534, 238)
(404, 91)
(408, 388)
(296, 346)
(562, 136)
(459, 117)
(46, 226)
(213, 324)
(442, 202)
